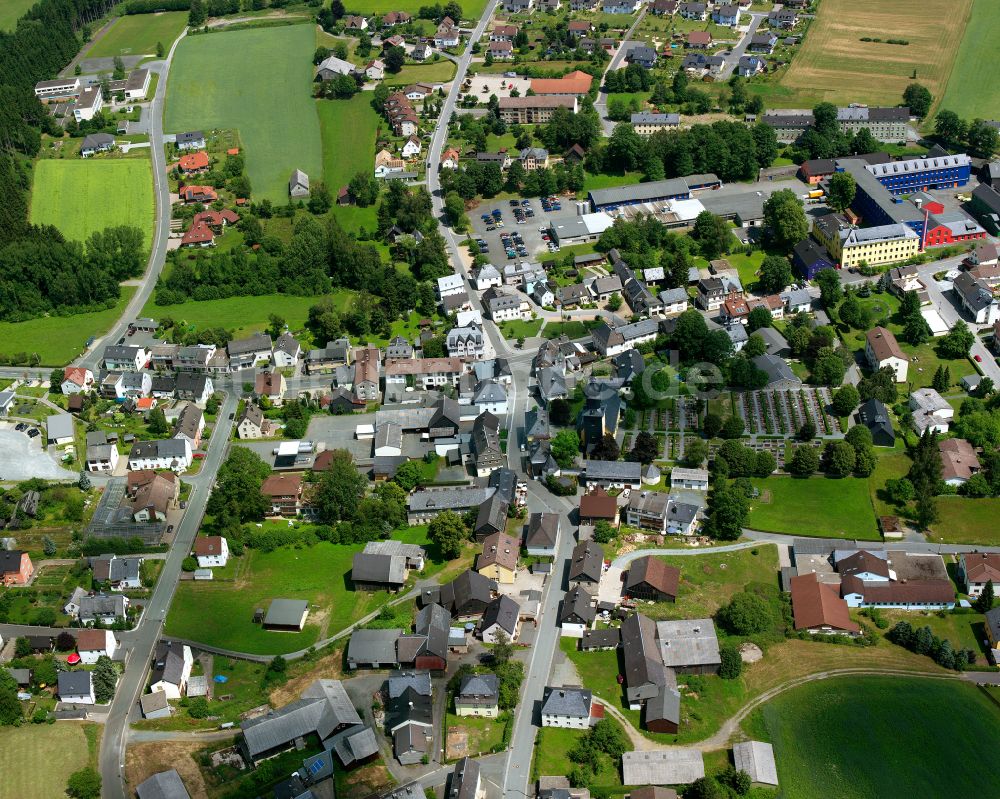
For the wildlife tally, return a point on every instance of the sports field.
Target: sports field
(137, 34)
(974, 88)
(885, 737)
(80, 196)
(258, 81)
(816, 506)
(835, 65)
(11, 11)
(36, 760)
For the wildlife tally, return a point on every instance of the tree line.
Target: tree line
(43, 273)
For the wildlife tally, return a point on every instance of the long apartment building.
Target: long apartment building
(535, 109)
(885, 124)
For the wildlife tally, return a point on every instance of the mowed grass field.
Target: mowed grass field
(84, 195)
(221, 613)
(60, 339)
(435, 72)
(245, 315)
(471, 9)
(816, 506)
(974, 88)
(11, 11)
(884, 737)
(36, 760)
(349, 128)
(137, 34)
(836, 66)
(260, 82)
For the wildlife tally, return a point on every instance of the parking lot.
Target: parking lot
(534, 246)
(484, 85)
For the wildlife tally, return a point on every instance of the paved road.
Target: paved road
(601, 103)
(733, 59)
(145, 636)
(158, 252)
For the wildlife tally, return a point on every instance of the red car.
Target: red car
(978, 359)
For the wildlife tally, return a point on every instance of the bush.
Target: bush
(189, 564)
(84, 784)
(746, 614)
(732, 663)
(197, 707)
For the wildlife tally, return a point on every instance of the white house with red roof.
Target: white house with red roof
(77, 380)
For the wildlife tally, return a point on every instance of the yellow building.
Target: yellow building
(498, 560)
(886, 244)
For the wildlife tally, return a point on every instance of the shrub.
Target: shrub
(732, 663)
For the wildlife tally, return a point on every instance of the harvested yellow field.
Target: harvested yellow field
(836, 66)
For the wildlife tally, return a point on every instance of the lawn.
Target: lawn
(552, 749)
(815, 506)
(974, 88)
(243, 687)
(243, 314)
(854, 749)
(518, 327)
(11, 11)
(483, 733)
(592, 182)
(572, 329)
(348, 128)
(709, 581)
(24, 749)
(257, 81)
(434, 72)
(318, 574)
(967, 521)
(964, 630)
(83, 196)
(138, 34)
(835, 65)
(59, 339)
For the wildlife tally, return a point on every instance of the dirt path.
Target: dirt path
(94, 39)
(639, 741)
(222, 22)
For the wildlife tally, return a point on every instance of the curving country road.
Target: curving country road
(161, 192)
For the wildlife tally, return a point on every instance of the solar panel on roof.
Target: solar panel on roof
(316, 766)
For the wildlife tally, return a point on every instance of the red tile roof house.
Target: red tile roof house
(699, 40)
(817, 607)
(91, 644)
(211, 550)
(270, 385)
(217, 220)
(198, 194)
(284, 492)
(198, 235)
(193, 162)
(16, 567)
